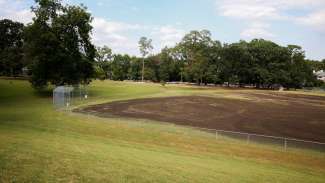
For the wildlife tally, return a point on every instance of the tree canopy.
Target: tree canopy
(58, 44)
(145, 46)
(11, 47)
(198, 58)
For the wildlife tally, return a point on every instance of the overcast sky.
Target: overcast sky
(120, 23)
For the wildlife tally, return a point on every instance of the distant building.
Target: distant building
(320, 75)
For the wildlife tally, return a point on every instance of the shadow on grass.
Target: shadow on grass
(44, 93)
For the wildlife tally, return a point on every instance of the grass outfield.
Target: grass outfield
(38, 144)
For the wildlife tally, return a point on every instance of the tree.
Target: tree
(197, 49)
(317, 65)
(152, 69)
(198, 58)
(120, 67)
(135, 70)
(301, 73)
(103, 59)
(103, 54)
(236, 64)
(169, 69)
(269, 60)
(11, 47)
(145, 46)
(58, 44)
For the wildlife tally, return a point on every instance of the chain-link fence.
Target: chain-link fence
(65, 97)
(283, 142)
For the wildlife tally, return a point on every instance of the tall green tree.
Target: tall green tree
(120, 67)
(169, 68)
(135, 70)
(316, 65)
(197, 49)
(323, 64)
(104, 56)
(11, 47)
(301, 73)
(236, 65)
(145, 46)
(58, 44)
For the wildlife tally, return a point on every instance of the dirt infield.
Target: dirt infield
(295, 116)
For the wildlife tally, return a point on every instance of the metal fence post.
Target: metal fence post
(280, 141)
(216, 134)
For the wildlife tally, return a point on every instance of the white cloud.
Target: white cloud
(111, 33)
(15, 10)
(168, 35)
(287, 4)
(315, 20)
(253, 11)
(262, 9)
(257, 30)
(113, 26)
(248, 10)
(115, 35)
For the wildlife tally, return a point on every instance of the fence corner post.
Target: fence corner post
(285, 144)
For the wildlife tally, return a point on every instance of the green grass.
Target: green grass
(39, 144)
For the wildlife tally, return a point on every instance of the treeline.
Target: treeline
(200, 59)
(56, 49)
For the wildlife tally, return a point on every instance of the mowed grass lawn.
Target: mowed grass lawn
(39, 144)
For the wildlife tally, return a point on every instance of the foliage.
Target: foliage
(199, 52)
(135, 70)
(198, 58)
(260, 63)
(145, 46)
(103, 58)
(317, 65)
(103, 54)
(120, 67)
(11, 47)
(58, 44)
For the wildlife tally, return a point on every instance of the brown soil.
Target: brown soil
(295, 116)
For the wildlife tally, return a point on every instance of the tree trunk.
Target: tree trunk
(142, 78)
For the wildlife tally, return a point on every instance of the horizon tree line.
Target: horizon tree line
(199, 59)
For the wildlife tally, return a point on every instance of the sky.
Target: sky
(119, 24)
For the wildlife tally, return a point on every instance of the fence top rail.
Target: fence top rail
(270, 136)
